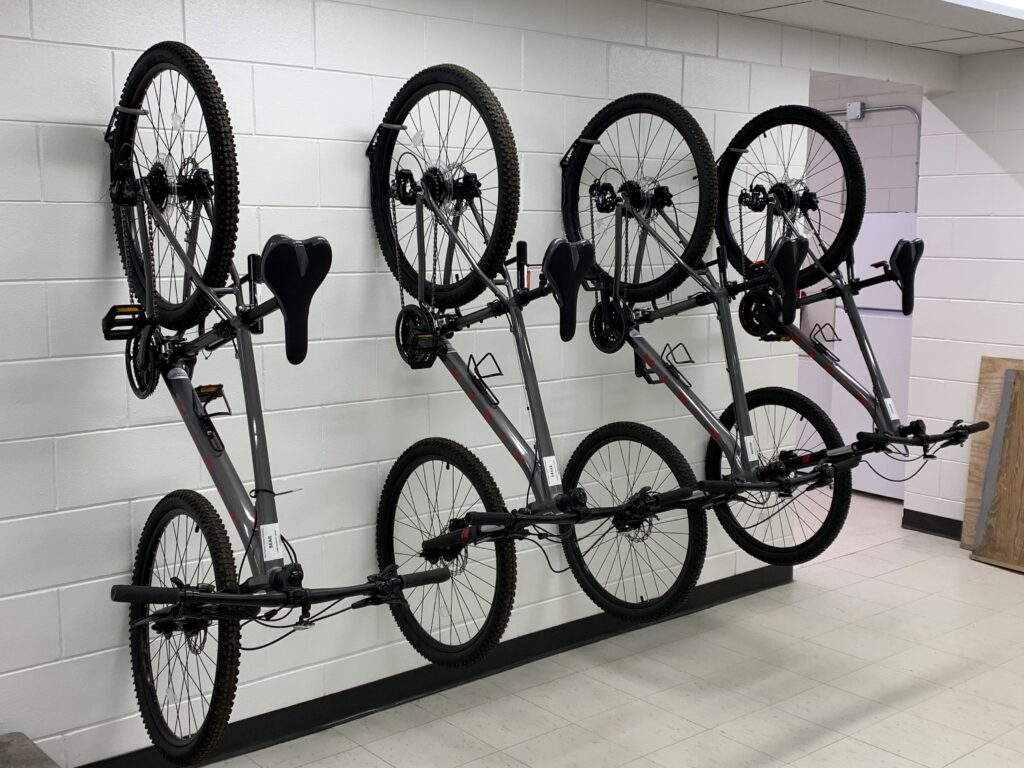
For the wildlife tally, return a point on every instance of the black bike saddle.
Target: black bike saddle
(784, 262)
(566, 265)
(293, 270)
(903, 263)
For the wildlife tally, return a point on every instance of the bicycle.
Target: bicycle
(815, 205)
(778, 472)
(440, 505)
(175, 202)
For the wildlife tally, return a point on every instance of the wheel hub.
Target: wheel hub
(784, 196)
(439, 184)
(159, 185)
(634, 194)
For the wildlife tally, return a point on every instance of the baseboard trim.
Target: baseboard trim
(936, 525)
(311, 716)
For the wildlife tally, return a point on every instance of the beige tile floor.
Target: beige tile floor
(893, 650)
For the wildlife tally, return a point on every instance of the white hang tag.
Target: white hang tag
(270, 537)
(551, 470)
(890, 406)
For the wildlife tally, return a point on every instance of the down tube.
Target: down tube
(704, 416)
(841, 375)
(496, 419)
(216, 460)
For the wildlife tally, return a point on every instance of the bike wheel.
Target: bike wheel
(172, 137)
(456, 143)
(638, 569)
(185, 670)
(806, 160)
(458, 622)
(778, 529)
(647, 149)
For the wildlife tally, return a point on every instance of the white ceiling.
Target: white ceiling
(955, 26)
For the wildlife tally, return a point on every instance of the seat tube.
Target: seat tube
(747, 444)
(266, 504)
(886, 415)
(550, 481)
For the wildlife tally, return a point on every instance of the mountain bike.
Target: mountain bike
(778, 472)
(795, 175)
(444, 191)
(174, 193)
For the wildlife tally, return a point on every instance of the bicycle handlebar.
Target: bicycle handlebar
(130, 593)
(384, 587)
(956, 433)
(425, 578)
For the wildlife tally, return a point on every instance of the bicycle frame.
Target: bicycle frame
(539, 464)
(741, 454)
(246, 514)
(544, 484)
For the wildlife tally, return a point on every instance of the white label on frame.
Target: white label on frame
(551, 470)
(890, 406)
(270, 536)
(752, 452)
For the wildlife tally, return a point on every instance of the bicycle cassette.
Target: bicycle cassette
(416, 336)
(142, 360)
(760, 313)
(608, 324)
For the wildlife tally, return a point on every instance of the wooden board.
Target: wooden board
(986, 406)
(1003, 540)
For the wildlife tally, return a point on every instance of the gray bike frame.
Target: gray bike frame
(741, 454)
(247, 515)
(878, 403)
(538, 463)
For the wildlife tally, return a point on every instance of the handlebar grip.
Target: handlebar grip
(718, 486)
(671, 498)
(873, 438)
(423, 578)
(979, 426)
(130, 593)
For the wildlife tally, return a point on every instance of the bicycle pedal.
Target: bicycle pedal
(207, 393)
(123, 321)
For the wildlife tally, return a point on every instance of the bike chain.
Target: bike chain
(625, 268)
(394, 228)
(433, 271)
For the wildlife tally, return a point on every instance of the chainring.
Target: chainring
(416, 336)
(760, 313)
(608, 324)
(142, 361)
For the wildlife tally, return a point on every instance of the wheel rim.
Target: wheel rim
(639, 565)
(637, 154)
(795, 162)
(446, 142)
(181, 665)
(172, 156)
(767, 518)
(450, 615)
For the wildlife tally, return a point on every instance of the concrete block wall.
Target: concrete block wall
(971, 215)
(82, 462)
(887, 141)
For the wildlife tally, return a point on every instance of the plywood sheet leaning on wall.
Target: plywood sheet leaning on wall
(986, 406)
(1002, 513)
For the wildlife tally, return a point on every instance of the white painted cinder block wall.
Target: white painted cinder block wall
(971, 216)
(82, 462)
